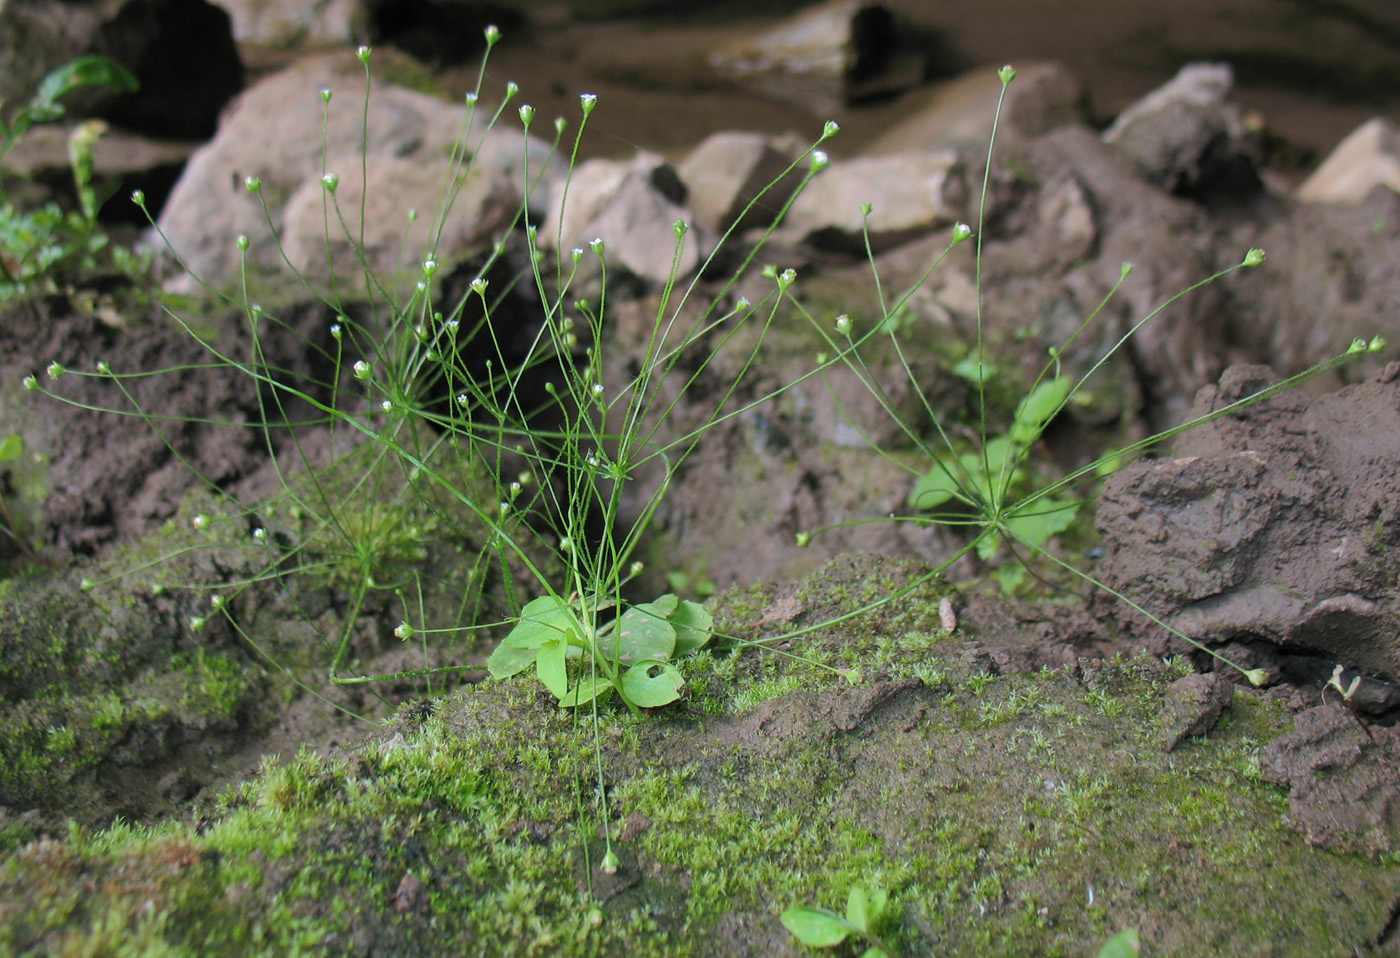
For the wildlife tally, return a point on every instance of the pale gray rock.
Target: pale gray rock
(829, 55)
(959, 113)
(1369, 157)
(1186, 138)
(275, 132)
(729, 170)
(910, 194)
(632, 206)
(393, 247)
(291, 23)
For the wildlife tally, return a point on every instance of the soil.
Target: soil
(1029, 773)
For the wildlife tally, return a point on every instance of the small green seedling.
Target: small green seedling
(1125, 944)
(988, 479)
(38, 243)
(823, 928)
(1348, 690)
(580, 662)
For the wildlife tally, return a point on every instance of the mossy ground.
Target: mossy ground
(1018, 814)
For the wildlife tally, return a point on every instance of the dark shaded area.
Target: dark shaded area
(446, 34)
(183, 54)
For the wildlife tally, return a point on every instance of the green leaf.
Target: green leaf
(84, 71)
(1125, 944)
(1043, 518)
(879, 901)
(11, 448)
(586, 691)
(932, 489)
(551, 666)
(651, 684)
(1039, 407)
(858, 909)
(643, 634)
(507, 660)
(542, 619)
(694, 627)
(972, 370)
(816, 927)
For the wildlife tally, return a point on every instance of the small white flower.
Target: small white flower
(362, 369)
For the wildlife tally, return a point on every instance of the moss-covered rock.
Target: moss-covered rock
(1030, 813)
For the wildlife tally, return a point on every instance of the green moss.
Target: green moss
(1014, 814)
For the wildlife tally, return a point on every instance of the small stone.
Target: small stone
(1369, 157)
(1193, 705)
(412, 895)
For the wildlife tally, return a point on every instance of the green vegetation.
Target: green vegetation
(48, 243)
(461, 825)
(823, 928)
(432, 471)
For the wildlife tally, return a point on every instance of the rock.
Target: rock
(827, 56)
(1344, 780)
(1186, 139)
(958, 113)
(443, 31)
(1369, 157)
(1332, 275)
(164, 43)
(632, 206)
(484, 207)
(1269, 526)
(728, 171)
(1193, 705)
(284, 25)
(910, 194)
(275, 132)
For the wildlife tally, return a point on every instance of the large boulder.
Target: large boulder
(1273, 528)
(1187, 138)
(280, 132)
